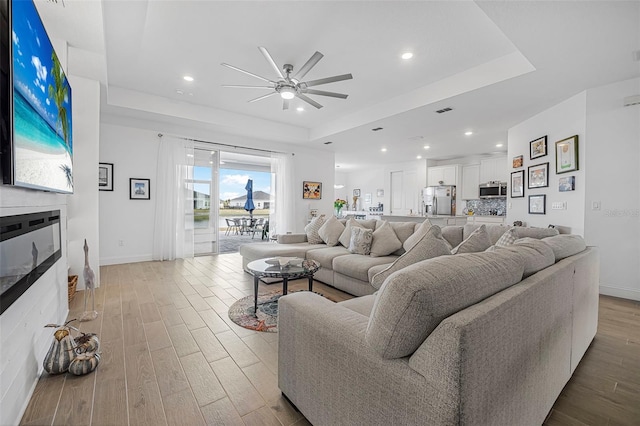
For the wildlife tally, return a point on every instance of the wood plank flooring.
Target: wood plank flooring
(171, 356)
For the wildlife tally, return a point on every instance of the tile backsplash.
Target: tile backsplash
(487, 207)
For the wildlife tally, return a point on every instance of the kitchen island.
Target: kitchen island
(439, 220)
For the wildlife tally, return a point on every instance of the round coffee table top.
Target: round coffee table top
(281, 267)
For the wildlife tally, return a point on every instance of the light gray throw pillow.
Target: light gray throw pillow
(312, 230)
(430, 245)
(478, 241)
(538, 255)
(330, 232)
(360, 240)
(385, 241)
(508, 238)
(345, 237)
(417, 235)
(565, 245)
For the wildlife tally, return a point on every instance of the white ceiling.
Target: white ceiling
(495, 63)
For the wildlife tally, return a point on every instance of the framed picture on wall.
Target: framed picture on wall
(139, 189)
(105, 176)
(356, 192)
(380, 193)
(567, 155)
(538, 147)
(517, 184)
(567, 183)
(539, 176)
(518, 161)
(311, 190)
(537, 204)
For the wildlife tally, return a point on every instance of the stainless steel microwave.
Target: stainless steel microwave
(493, 190)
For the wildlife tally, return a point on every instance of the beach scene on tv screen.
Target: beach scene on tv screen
(42, 136)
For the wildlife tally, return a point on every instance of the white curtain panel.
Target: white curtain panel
(281, 217)
(173, 225)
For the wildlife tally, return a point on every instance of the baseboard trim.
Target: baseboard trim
(122, 260)
(624, 293)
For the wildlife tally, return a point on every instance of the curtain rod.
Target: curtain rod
(227, 145)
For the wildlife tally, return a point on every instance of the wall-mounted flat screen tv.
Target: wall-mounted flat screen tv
(41, 141)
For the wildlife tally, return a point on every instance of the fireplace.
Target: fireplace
(29, 246)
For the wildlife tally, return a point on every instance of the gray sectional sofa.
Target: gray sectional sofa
(484, 338)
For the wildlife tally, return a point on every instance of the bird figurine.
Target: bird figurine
(89, 287)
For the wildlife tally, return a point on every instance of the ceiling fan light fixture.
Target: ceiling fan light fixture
(287, 92)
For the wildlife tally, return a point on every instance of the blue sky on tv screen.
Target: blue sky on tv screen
(33, 65)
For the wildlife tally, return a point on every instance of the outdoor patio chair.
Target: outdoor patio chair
(232, 226)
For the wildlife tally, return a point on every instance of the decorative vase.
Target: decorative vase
(338, 212)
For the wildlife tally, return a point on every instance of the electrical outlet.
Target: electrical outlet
(596, 205)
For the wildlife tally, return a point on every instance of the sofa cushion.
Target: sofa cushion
(494, 231)
(508, 238)
(538, 255)
(325, 256)
(413, 239)
(414, 300)
(345, 237)
(312, 230)
(360, 240)
(385, 241)
(565, 245)
(477, 241)
(357, 266)
(403, 231)
(368, 223)
(378, 268)
(430, 245)
(331, 231)
(453, 234)
(538, 233)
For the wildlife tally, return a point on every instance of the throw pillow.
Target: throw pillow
(563, 245)
(508, 238)
(417, 235)
(360, 240)
(312, 230)
(430, 245)
(330, 232)
(385, 241)
(478, 241)
(345, 237)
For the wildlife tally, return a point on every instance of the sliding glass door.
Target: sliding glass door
(205, 201)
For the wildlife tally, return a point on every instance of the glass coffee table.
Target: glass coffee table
(290, 268)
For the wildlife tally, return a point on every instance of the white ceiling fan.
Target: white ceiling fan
(288, 86)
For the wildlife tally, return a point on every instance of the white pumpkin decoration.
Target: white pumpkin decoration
(84, 363)
(87, 342)
(61, 352)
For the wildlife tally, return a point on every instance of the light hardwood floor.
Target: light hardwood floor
(170, 355)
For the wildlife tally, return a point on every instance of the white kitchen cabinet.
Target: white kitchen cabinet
(470, 182)
(448, 175)
(494, 169)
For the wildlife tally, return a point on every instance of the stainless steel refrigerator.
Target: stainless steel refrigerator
(439, 200)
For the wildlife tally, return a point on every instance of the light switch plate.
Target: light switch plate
(559, 205)
(595, 205)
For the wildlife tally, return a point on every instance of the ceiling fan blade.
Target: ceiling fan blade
(309, 101)
(285, 104)
(248, 73)
(323, 93)
(269, 59)
(313, 60)
(240, 86)
(259, 98)
(327, 80)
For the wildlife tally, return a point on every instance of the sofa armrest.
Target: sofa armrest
(292, 238)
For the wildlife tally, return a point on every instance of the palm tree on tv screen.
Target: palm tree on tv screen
(58, 92)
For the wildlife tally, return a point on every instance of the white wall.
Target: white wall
(368, 182)
(566, 119)
(132, 146)
(83, 204)
(23, 339)
(612, 167)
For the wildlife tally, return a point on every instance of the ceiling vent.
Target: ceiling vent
(376, 129)
(632, 100)
(328, 143)
(443, 110)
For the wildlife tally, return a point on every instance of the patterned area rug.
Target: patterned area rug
(266, 319)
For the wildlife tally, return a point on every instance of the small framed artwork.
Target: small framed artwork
(311, 190)
(567, 155)
(105, 176)
(518, 161)
(139, 189)
(538, 147)
(567, 183)
(517, 184)
(367, 198)
(380, 193)
(356, 192)
(537, 204)
(539, 176)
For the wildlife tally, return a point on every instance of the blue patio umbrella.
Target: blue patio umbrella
(249, 206)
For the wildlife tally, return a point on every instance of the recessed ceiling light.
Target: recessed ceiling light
(407, 55)
(338, 186)
(469, 133)
(499, 145)
(426, 147)
(299, 109)
(419, 157)
(188, 78)
(384, 150)
(210, 162)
